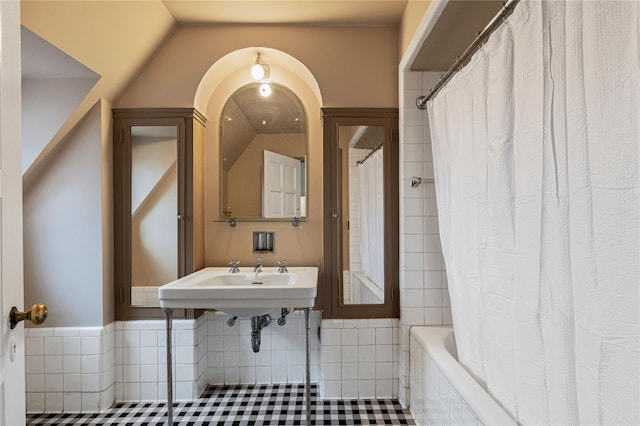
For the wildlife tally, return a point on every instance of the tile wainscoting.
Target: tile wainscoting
(70, 369)
(359, 359)
(87, 369)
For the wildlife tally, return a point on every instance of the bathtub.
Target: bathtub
(442, 391)
(365, 291)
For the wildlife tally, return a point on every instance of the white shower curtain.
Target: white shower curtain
(371, 196)
(536, 154)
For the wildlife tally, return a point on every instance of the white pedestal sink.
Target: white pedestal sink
(241, 294)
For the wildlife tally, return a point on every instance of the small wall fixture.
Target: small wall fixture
(421, 102)
(416, 181)
(263, 242)
(260, 70)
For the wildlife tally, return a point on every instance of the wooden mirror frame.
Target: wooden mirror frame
(334, 307)
(188, 122)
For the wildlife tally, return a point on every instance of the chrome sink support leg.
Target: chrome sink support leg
(307, 384)
(168, 315)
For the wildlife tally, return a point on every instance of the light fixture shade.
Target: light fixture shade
(257, 72)
(260, 70)
(265, 90)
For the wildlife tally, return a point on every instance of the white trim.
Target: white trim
(431, 16)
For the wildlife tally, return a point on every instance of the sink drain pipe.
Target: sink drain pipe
(257, 324)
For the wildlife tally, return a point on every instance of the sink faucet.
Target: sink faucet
(283, 266)
(234, 266)
(258, 268)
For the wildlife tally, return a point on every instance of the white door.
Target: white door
(12, 376)
(281, 190)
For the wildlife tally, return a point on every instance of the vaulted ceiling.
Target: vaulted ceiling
(114, 39)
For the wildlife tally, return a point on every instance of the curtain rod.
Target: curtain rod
(507, 8)
(370, 153)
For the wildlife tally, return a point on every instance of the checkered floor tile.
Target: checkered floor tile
(243, 405)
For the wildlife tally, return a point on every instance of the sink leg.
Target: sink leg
(168, 315)
(307, 386)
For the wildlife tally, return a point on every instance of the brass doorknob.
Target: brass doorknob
(37, 314)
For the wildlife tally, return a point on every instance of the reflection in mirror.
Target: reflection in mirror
(362, 187)
(361, 229)
(154, 209)
(263, 154)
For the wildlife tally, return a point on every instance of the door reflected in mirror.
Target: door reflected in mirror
(263, 154)
(362, 187)
(154, 211)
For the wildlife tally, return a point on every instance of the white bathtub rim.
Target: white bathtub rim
(488, 411)
(367, 282)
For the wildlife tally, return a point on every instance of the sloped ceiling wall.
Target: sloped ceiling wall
(114, 39)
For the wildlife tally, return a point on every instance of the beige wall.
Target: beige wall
(353, 67)
(411, 19)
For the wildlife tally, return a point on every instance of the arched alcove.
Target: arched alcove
(231, 72)
(218, 84)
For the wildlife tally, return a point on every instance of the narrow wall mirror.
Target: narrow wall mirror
(362, 211)
(154, 207)
(158, 204)
(263, 154)
(361, 225)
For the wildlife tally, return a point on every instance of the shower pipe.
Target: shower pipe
(481, 37)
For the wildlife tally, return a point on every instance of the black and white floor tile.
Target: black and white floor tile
(243, 405)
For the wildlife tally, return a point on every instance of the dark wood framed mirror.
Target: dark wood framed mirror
(361, 160)
(158, 199)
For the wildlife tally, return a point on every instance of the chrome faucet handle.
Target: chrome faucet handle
(234, 266)
(282, 266)
(258, 266)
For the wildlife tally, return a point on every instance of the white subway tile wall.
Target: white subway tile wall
(359, 358)
(86, 369)
(141, 359)
(282, 356)
(70, 369)
(144, 296)
(424, 296)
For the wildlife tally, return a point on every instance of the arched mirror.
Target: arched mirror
(361, 226)
(263, 154)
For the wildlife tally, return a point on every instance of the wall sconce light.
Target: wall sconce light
(260, 70)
